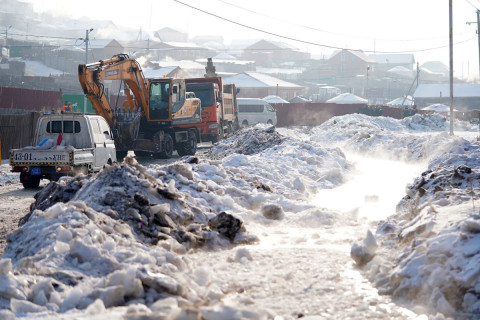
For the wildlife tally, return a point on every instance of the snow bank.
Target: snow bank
(7, 177)
(117, 243)
(386, 137)
(429, 253)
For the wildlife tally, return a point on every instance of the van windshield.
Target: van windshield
(270, 108)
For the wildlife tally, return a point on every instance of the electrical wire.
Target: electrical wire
(38, 36)
(330, 32)
(309, 42)
(468, 1)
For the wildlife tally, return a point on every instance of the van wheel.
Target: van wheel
(244, 124)
(270, 122)
(29, 181)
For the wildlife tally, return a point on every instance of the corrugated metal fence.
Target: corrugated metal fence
(17, 131)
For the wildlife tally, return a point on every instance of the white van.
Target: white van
(253, 110)
(65, 144)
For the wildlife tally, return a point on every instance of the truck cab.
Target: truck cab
(64, 144)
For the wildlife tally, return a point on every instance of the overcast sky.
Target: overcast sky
(380, 26)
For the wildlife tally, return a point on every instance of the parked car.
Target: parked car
(253, 110)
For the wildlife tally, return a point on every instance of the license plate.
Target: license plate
(35, 171)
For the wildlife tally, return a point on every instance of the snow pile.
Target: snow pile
(7, 177)
(116, 243)
(429, 253)
(304, 167)
(386, 137)
(248, 141)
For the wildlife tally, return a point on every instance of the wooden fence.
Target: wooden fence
(17, 131)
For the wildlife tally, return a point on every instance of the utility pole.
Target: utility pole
(418, 73)
(6, 39)
(86, 61)
(478, 36)
(451, 64)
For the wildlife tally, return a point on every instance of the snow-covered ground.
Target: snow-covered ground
(270, 224)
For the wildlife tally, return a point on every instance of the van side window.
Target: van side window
(270, 108)
(251, 108)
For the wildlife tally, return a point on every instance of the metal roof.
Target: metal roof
(258, 80)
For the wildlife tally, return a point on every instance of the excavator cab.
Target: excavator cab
(159, 105)
(168, 102)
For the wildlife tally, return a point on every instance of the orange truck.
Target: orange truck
(219, 107)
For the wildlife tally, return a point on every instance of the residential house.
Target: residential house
(350, 63)
(258, 85)
(386, 62)
(171, 35)
(186, 68)
(271, 54)
(211, 42)
(182, 51)
(99, 49)
(466, 97)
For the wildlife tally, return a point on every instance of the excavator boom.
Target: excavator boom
(119, 67)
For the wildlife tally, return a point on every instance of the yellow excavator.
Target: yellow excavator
(148, 121)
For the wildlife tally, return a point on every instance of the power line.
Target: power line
(468, 1)
(330, 32)
(38, 36)
(309, 42)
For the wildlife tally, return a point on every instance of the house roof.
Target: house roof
(356, 53)
(270, 45)
(142, 44)
(347, 98)
(435, 66)
(235, 61)
(184, 64)
(168, 29)
(401, 101)
(443, 90)
(180, 45)
(38, 69)
(159, 73)
(401, 58)
(280, 70)
(402, 71)
(258, 80)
